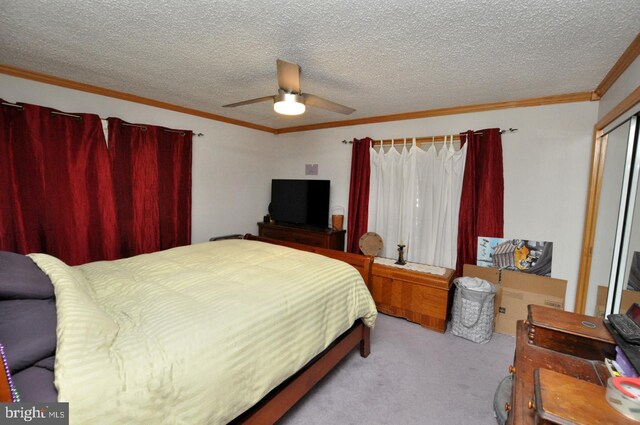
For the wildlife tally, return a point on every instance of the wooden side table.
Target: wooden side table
(420, 297)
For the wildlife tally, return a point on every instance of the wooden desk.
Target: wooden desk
(420, 297)
(557, 341)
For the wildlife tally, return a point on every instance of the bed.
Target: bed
(232, 330)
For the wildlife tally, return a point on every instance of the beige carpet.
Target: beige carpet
(413, 376)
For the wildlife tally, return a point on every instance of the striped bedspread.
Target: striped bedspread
(196, 334)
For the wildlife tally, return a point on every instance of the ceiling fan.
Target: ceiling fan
(290, 100)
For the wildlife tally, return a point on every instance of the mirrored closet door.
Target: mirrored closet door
(614, 278)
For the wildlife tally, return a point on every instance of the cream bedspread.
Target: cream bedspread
(196, 334)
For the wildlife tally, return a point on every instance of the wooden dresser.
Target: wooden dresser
(420, 297)
(559, 371)
(321, 238)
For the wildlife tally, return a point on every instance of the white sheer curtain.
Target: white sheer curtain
(414, 198)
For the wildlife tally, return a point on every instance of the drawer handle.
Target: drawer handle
(531, 405)
(512, 370)
(507, 407)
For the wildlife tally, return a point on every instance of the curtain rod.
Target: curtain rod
(142, 127)
(12, 105)
(428, 139)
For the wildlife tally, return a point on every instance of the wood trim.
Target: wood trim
(593, 195)
(627, 103)
(88, 88)
(619, 67)
(481, 107)
(593, 202)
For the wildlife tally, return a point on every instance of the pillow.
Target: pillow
(27, 323)
(21, 278)
(35, 383)
(28, 331)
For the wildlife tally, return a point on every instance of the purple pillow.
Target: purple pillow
(35, 383)
(27, 323)
(20, 278)
(27, 331)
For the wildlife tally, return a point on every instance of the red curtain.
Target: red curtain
(174, 185)
(151, 169)
(56, 192)
(358, 193)
(482, 199)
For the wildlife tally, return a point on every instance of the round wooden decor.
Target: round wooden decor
(371, 244)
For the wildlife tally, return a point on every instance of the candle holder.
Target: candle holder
(401, 261)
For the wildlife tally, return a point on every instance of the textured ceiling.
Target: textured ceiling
(379, 57)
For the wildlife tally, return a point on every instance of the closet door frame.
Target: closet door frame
(625, 220)
(593, 195)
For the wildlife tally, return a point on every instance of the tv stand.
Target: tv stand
(322, 238)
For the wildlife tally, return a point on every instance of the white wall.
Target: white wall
(546, 167)
(232, 165)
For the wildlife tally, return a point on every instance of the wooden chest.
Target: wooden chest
(420, 297)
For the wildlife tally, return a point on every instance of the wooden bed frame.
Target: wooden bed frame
(275, 404)
(362, 263)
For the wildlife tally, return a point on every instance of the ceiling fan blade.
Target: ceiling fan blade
(248, 102)
(288, 76)
(319, 102)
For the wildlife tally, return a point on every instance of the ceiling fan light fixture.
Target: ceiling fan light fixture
(288, 104)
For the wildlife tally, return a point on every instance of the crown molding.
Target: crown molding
(619, 67)
(536, 101)
(89, 88)
(480, 107)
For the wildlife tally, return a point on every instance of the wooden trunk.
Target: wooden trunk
(420, 297)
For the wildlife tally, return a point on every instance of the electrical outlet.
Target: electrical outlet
(311, 169)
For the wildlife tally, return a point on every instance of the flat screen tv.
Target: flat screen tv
(301, 202)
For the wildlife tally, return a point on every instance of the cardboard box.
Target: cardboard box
(516, 291)
(628, 298)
